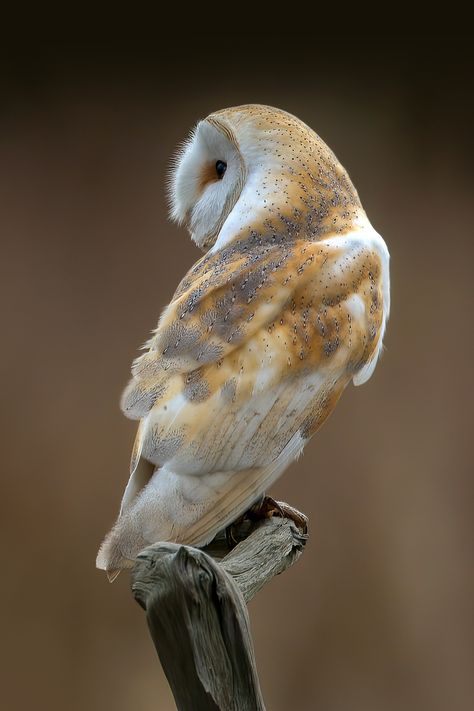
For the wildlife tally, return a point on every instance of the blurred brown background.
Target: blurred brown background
(378, 612)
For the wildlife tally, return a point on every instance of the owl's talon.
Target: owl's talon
(232, 535)
(230, 538)
(268, 507)
(265, 508)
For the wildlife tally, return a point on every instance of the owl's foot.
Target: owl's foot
(268, 507)
(234, 533)
(263, 509)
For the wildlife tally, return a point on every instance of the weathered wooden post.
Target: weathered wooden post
(196, 611)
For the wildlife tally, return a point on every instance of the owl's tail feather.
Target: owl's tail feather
(183, 509)
(113, 574)
(187, 509)
(110, 557)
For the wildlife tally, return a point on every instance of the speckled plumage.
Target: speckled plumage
(262, 335)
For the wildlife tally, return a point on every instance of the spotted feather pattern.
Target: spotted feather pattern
(259, 318)
(263, 334)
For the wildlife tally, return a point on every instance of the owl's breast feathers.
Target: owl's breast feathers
(258, 343)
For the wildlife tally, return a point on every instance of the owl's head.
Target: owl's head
(254, 163)
(207, 179)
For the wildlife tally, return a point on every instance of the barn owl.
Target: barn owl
(286, 307)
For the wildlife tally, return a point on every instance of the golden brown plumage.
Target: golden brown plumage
(262, 335)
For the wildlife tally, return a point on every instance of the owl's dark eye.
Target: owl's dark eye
(221, 168)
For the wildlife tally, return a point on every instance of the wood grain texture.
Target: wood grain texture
(197, 615)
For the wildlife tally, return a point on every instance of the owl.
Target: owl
(286, 307)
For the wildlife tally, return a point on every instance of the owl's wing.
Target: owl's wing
(222, 301)
(252, 351)
(219, 305)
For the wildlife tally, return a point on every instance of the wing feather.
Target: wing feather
(250, 349)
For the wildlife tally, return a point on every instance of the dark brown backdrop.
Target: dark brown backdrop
(378, 613)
